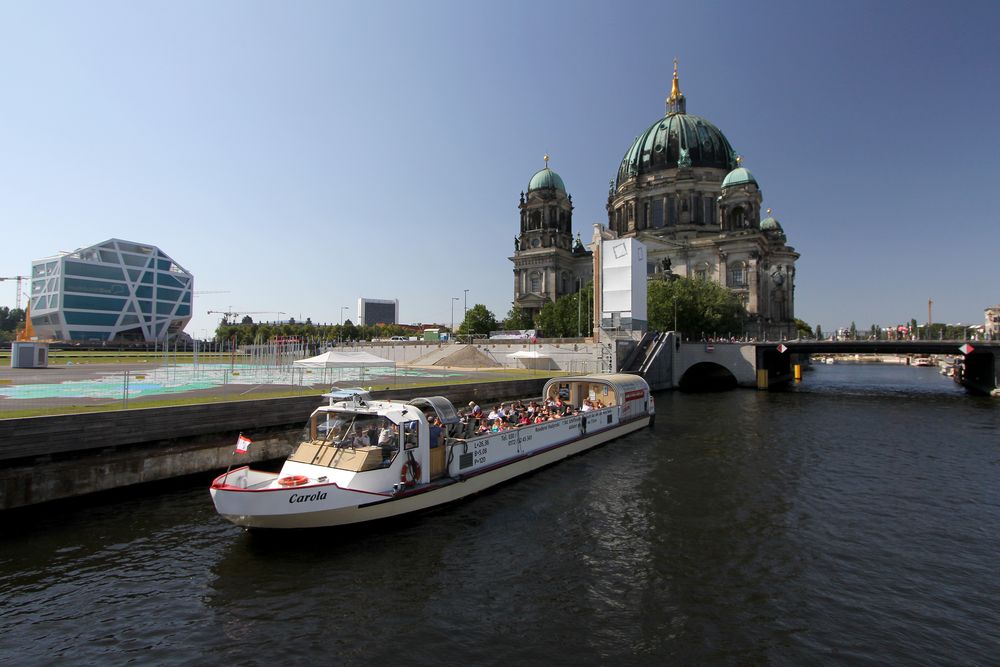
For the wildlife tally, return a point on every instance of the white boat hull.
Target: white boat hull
(319, 505)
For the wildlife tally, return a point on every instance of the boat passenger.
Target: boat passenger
(388, 440)
(360, 439)
(435, 432)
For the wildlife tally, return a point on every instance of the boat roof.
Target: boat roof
(620, 381)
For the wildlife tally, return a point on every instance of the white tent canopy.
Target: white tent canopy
(334, 359)
(533, 359)
(525, 354)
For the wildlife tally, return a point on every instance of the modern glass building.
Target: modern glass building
(378, 311)
(116, 290)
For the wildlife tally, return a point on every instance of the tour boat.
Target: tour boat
(364, 459)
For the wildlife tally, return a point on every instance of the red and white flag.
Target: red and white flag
(243, 444)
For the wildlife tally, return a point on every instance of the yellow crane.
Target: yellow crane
(18, 279)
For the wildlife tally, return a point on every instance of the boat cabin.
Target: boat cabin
(419, 438)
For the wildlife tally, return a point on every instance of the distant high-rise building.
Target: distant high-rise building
(116, 290)
(378, 311)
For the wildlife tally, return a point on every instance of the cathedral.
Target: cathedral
(682, 191)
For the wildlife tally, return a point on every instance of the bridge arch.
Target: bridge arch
(707, 376)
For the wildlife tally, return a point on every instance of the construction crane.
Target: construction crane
(18, 279)
(227, 314)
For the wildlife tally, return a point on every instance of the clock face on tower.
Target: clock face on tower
(536, 242)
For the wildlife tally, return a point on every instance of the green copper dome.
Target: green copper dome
(677, 140)
(546, 178)
(739, 176)
(769, 224)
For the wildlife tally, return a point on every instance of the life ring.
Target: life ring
(410, 473)
(293, 480)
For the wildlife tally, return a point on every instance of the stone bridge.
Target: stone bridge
(667, 362)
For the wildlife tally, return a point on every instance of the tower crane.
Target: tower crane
(18, 279)
(227, 314)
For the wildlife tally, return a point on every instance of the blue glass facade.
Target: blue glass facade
(116, 290)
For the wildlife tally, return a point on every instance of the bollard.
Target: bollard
(797, 369)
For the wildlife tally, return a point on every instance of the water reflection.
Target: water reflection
(835, 522)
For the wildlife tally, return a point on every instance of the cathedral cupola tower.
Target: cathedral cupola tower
(547, 262)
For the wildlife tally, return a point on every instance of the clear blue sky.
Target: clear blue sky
(302, 154)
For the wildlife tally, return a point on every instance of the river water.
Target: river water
(854, 519)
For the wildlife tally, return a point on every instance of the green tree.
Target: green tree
(854, 331)
(11, 321)
(819, 332)
(516, 319)
(349, 331)
(479, 320)
(803, 329)
(568, 316)
(698, 306)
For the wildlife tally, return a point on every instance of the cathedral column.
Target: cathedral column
(754, 286)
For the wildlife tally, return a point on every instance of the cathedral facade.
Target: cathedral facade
(682, 191)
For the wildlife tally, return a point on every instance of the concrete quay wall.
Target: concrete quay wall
(65, 456)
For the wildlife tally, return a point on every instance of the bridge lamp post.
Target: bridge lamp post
(453, 300)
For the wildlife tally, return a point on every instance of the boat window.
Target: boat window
(410, 434)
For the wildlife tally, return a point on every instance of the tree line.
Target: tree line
(698, 308)
(11, 321)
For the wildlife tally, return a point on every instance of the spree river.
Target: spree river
(854, 519)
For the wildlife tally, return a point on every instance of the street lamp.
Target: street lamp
(466, 310)
(342, 309)
(453, 300)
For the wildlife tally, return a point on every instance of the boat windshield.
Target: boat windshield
(349, 441)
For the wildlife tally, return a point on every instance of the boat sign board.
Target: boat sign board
(966, 349)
